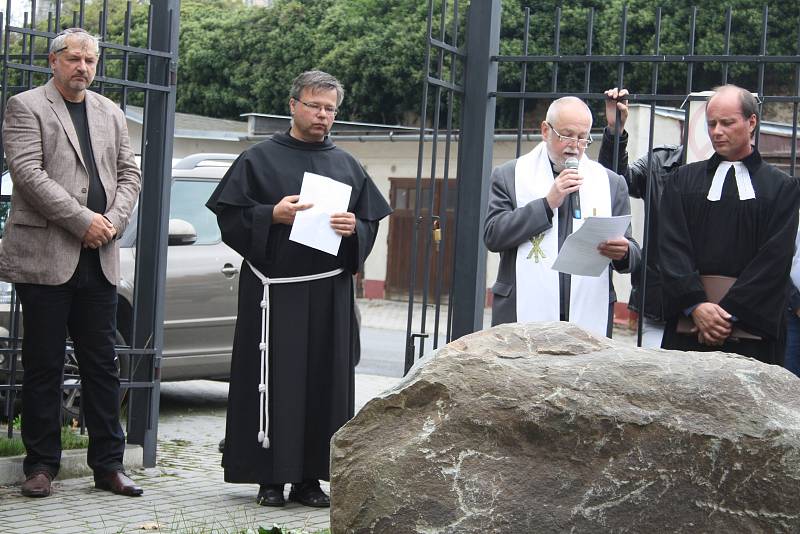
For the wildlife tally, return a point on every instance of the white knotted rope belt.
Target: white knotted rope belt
(263, 393)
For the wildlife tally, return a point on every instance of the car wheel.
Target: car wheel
(71, 397)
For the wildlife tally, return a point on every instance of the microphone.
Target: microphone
(574, 197)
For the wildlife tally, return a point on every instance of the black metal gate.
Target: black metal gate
(467, 83)
(139, 65)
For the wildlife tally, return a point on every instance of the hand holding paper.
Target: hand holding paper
(285, 210)
(343, 224)
(614, 249)
(581, 252)
(312, 227)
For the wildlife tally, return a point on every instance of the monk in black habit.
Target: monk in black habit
(732, 215)
(281, 433)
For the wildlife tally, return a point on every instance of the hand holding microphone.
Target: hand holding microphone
(566, 183)
(575, 196)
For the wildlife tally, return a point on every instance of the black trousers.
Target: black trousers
(85, 306)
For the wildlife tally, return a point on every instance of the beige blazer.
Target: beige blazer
(42, 239)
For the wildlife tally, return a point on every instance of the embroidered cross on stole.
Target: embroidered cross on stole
(536, 248)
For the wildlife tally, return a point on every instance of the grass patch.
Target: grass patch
(181, 525)
(277, 530)
(69, 440)
(239, 521)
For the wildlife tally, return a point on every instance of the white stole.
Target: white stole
(536, 281)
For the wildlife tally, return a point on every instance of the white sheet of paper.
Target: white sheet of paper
(312, 227)
(579, 254)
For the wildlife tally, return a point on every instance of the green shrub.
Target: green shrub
(69, 440)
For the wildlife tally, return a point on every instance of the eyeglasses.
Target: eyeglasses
(583, 143)
(316, 108)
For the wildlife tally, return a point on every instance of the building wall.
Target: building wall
(183, 146)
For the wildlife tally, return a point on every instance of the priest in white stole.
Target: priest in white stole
(530, 214)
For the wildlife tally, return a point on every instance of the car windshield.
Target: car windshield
(187, 202)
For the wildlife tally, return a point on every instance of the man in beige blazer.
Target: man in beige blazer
(75, 185)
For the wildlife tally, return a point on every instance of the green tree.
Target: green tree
(216, 57)
(235, 59)
(375, 47)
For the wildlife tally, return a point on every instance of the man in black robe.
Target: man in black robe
(285, 404)
(732, 215)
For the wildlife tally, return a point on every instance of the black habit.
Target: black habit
(750, 240)
(313, 332)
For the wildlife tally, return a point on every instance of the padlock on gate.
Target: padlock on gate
(437, 234)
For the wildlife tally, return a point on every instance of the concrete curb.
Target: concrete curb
(73, 465)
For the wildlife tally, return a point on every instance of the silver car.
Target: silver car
(202, 281)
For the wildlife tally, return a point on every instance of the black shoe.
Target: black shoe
(308, 493)
(270, 495)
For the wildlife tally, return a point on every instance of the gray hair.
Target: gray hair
(59, 42)
(747, 101)
(317, 80)
(555, 108)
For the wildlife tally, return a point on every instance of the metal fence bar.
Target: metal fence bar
(443, 200)
(126, 38)
(636, 97)
(793, 164)
(646, 58)
(81, 13)
(26, 77)
(435, 220)
(556, 49)
(761, 66)
(690, 66)
(427, 223)
(4, 82)
(117, 81)
(589, 38)
(411, 336)
(30, 42)
(22, 30)
(728, 19)
(101, 67)
(445, 85)
(148, 313)
(523, 79)
(14, 344)
(57, 26)
(454, 136)
(436, 43)
(651, 183)
(475, 153)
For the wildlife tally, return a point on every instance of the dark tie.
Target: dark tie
(729, 187)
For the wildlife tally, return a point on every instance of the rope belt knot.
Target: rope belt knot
(263, 393)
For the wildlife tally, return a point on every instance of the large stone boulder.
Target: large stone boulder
(535, 428)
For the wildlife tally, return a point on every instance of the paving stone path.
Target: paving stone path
(184, 493)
